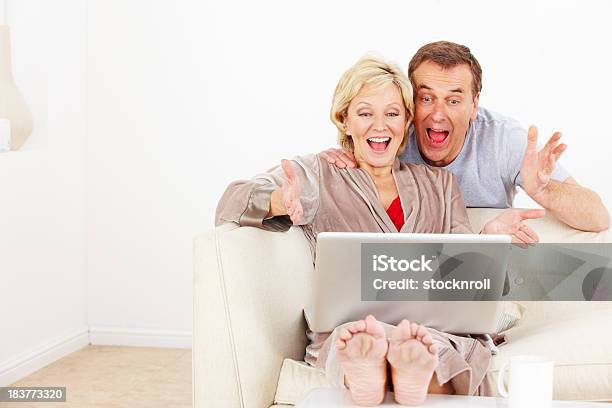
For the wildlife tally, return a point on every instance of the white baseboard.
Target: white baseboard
(117, 336)
(26, 363)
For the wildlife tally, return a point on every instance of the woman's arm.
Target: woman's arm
(259, 202)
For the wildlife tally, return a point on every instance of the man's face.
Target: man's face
(444, 106)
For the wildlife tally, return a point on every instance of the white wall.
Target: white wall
(186, 97)
(42, 211)
(275, 66)
(146, 195)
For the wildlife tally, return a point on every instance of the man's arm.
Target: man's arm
(573, 204)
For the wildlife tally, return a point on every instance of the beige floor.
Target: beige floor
(113, 377)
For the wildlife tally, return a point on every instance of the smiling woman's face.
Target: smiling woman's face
(376, 120)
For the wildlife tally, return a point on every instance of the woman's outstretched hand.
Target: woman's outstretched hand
(510, 222)
(291, 192)
(286, 199)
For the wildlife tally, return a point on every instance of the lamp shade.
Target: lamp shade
(12, 104)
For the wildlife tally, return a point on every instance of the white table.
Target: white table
(334, 398)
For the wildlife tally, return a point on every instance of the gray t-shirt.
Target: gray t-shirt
(488, 166)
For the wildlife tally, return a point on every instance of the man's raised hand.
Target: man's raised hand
(537, 166)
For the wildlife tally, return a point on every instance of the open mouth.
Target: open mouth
(437, 136)
(379, 144)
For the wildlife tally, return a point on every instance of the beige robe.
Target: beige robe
(346, 200)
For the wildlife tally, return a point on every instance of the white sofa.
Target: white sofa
(250, 287)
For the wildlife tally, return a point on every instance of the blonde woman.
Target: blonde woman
(372, 109)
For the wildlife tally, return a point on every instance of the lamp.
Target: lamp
(12, 104)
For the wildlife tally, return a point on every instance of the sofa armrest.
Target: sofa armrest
(250, 287)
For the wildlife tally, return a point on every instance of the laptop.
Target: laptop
(342, 292)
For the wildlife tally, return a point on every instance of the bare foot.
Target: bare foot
(413, 358)
(361, 350)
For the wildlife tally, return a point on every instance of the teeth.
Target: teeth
(438, 131)
(379, 139)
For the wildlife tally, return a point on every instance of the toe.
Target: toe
(345, 334)
(421, 331)
(433, 349)
(427, 339)
(357, 326)
(414, 328)
(402, 331)
(374, 327)
(340, 344)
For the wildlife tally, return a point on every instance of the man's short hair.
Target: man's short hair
(447, 54)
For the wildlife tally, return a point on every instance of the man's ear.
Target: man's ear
(475, 110)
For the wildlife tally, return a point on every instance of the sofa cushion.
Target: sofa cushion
(511, 314)
(297, 379)
(537, 313)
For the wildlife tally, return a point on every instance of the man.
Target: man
(489, 154)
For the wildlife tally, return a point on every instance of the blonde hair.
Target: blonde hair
(377, 73)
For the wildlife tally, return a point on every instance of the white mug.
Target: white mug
(530, 383)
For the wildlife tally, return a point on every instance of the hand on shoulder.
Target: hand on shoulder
(338, 157)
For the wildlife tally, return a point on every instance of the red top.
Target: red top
(396, 213)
